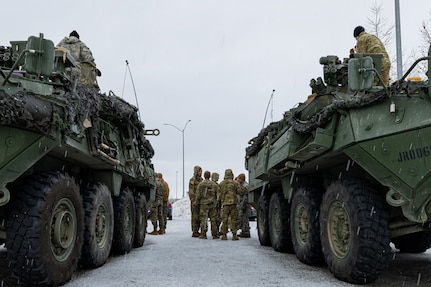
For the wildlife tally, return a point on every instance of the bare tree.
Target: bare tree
(383, 30)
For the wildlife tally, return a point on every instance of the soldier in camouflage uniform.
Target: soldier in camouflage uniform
(206, 196)
(194, 208)
(85, 70)
(156, 209)
(367, 43)
(215, 178)
(165, 199)
(243, 207)
(229, 191)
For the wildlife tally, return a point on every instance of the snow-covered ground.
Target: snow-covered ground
(177, 259)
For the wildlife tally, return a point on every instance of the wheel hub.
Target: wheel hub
(63, 229)
(339, 229)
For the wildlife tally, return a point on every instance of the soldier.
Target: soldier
(165, 199)
(156, 209)
(367, 43)
(243, 207)
(193, 185)
(214, 178)
(229, 191)
(206, 196)
(85, 69)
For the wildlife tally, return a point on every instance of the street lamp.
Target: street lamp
(176, 184)
(181, 131)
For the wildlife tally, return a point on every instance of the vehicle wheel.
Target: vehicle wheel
(262, 221)
(45, 229)
(413, 243)
(304, 220)
(141, 219)
(99, 226)
(124, 222)
(354, 231)
(279, 223)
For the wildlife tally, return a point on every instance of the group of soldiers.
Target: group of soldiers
(159, 207)
(224, 203)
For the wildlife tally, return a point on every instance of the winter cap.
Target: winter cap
(74, 33)
(358, 30)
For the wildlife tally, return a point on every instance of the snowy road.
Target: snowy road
(177, 259)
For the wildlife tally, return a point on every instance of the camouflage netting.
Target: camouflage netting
(322, 117)
(62, 112)
(25, 109)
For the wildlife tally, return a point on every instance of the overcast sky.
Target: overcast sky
(214, 62)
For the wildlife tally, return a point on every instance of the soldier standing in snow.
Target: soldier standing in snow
(229, 191)
(243, 207)
(206, 195)
(217, 204)
(194, 208)
(165, 199)
(156, 209)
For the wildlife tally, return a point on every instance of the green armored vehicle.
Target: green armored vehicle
(75, 168)
(346, 173)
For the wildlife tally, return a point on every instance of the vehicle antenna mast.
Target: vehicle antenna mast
(133, 84)
(267, 107)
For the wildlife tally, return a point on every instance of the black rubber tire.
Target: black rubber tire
(304, 224)
(141, 219)
(124, 222)
(99, 226)
(45, 230)
(355, 235)
(279, 223)
(417, 242)
(262, 221)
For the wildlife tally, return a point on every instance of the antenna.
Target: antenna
(133, 84)
(267, 107)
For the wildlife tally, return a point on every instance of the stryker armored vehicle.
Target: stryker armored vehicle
(348, 171)
(75, 167)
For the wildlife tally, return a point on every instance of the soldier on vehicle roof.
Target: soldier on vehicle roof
(85, 69)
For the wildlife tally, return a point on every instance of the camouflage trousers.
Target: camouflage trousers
(243, 219)
(229, 212)
(157, 215)
(195, 217)
(208, 211)
(165, 212)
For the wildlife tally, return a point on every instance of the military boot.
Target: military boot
(162, 231)
(235, 237)
(195, 234)
(154, 232)
(203, 236)
(224, 237)
(244, 235)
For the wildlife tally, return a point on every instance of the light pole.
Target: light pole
(176, 184)
(181, 131)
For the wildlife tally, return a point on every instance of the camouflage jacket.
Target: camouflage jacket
(160, 190)
(243, 197)
(229, 189)
(206, 192)
(166, 193)
(370, 44)
(193, 184)
(79, 51)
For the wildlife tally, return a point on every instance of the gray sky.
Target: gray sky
(214, 62)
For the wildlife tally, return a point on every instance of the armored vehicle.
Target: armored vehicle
(75, 167)
(348, 171)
